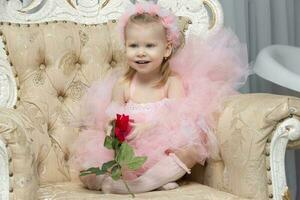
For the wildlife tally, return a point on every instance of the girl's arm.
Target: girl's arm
(118, 93)
(118, 98)
(175, 87)
(186, 155)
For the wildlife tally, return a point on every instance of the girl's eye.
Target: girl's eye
(150, 45)
(133, 45)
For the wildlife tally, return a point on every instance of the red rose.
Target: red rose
(122, 127)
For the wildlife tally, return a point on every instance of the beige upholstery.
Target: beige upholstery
(189, 191)
(54, 63)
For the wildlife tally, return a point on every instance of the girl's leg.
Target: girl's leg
(165, 171)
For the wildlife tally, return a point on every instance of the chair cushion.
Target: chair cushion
(188, 191)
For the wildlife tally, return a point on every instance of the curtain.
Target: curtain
(261, 23)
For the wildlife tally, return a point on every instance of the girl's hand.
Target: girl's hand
(187, 155)
(138, 129)
(107, 129)
(92, 181)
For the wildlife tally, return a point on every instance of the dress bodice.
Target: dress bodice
(134, 107)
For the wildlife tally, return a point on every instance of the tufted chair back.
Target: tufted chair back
(54, 64)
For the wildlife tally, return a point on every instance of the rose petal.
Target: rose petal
(119, 135)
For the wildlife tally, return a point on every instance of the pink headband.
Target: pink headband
(168, 20)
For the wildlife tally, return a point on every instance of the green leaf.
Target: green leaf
(136, 162)
(100, 172)
(92, 170)
(108, 142)
(108, 165)
(116, 172)
(125, 154)
(84, 173)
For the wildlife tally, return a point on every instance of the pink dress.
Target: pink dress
(211, 70)
(152, 143)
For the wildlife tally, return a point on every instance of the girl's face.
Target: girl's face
(146, 46)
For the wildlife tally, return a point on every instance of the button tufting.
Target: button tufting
(42, 66)
(66, 157)
(48, 127)
(267, 154)
(293, 110)
(269, 182)
(77, 65)
(11, 189)
(61, 98)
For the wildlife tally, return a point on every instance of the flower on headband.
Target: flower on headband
(167, 19)
(139, 8)
(154, 8)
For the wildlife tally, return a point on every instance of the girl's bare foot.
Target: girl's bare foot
(92, 181)
(169, 186)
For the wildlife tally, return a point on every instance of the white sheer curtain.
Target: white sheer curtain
(260, 23)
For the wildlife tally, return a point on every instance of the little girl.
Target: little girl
(172, 98)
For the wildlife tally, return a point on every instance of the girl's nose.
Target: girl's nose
(141, 52)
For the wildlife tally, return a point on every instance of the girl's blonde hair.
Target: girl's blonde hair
(165, 70)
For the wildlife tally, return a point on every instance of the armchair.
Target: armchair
(51, 51)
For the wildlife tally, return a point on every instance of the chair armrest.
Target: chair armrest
(245, 130)
(4, 171)
(287, 130)
(18, 155)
